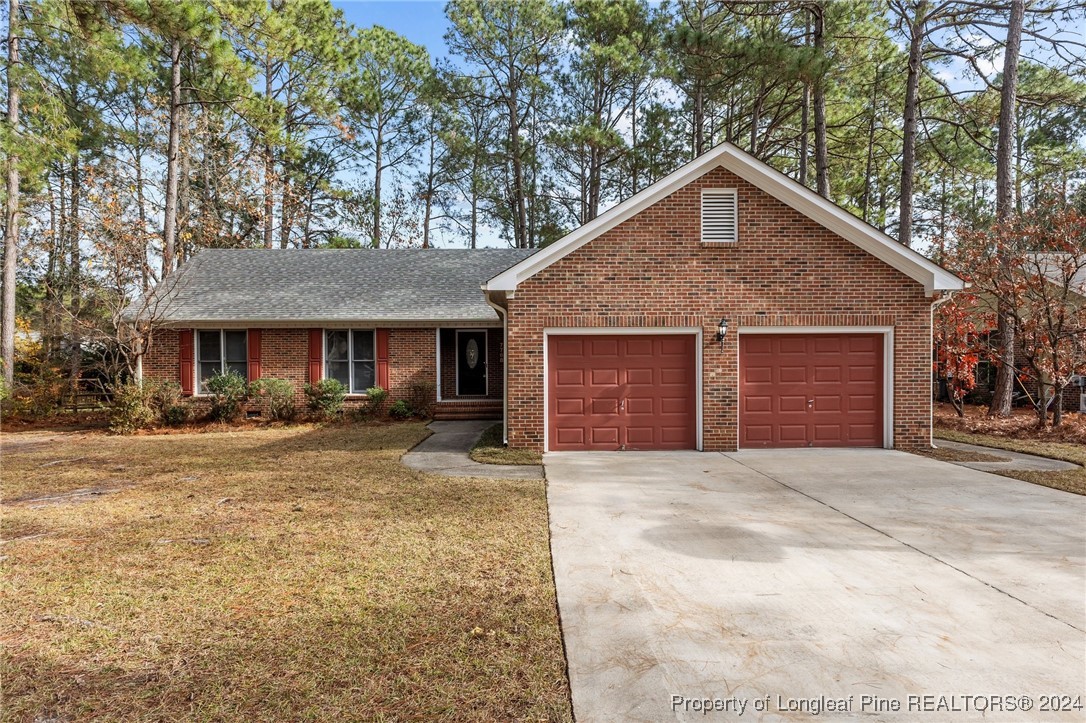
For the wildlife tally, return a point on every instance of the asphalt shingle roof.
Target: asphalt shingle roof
(310, 285)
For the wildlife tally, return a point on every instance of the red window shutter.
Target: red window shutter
(382, 358)
(316, 355)
(185, 360)
(254, 355)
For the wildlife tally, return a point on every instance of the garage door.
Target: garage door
(621, 392)
(819, 390)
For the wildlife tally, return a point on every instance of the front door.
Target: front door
(471, 363)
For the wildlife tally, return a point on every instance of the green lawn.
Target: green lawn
(1069, 481)
(296, 573)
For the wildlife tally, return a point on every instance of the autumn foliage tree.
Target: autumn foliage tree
(956, 328)
(1031, 267)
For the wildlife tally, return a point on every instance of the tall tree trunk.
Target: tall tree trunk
(377, 161)
(635, 161)
(11, 211)
(269, 162)
(75, 262)
(869, 162)
(917, 33)
(1008, 100)
(822, 157)
(141, 200)
(520, 227)
(804, 133)
(169, 222)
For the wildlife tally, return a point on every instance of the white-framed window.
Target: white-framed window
(719, 215)
(219, 351)
(350, 356)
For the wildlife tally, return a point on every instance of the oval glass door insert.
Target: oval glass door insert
(472, 353)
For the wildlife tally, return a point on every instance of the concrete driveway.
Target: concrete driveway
(766, 585)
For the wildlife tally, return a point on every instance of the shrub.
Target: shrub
(375, 397)
(326, 397)
(131, 408)
(176, 414)
(162, 394)
(422, 398)
(227, 392)
(400, 409)
(278, 394)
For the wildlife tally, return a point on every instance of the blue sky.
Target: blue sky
(420, 21)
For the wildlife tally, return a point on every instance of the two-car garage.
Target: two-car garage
(641, 391)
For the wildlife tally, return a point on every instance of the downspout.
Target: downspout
(504, 314)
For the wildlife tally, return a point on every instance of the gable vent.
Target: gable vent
(719, 215)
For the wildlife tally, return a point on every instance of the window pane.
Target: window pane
(242, 368)
(208, 370)
(235, 346)
(336, 346)
(209, 346)
(363, 376)
(338, 370)
(363, 345)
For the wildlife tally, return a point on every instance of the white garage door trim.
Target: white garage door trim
(887, 366)
(548, 332)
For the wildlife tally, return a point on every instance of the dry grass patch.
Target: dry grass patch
(490, 450)
(297, 573)
(1073, 480)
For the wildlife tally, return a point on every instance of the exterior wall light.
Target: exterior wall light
(721, 332)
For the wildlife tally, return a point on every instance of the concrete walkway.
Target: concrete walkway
(1014, 460)
(445, 452)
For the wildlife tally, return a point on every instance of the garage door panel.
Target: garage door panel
(792, 345)
(758, 403)
(570, 378)
(862, 403)
(792, 374)
(571, 347)
(573, 406)
(840, 373)
(676, 376)
(675, 405)
(604, 435)
(603, 377)
(570, 435)
(635, 391)
(758, 374)
(792, 403)
(793, 433)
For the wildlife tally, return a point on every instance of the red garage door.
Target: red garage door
(621, 392)
(818, 390)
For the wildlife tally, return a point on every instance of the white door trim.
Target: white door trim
(887, 366)
(486, 360)
(696, 331)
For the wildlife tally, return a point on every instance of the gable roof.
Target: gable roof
(330, 285)
(768, 179)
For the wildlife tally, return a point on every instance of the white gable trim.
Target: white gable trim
(799, 197)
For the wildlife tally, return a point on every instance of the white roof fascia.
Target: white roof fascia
(802, 199)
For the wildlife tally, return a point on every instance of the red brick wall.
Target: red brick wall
(285, 352)
(786, 270)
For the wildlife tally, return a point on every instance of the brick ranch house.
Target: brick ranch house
(726, 306)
